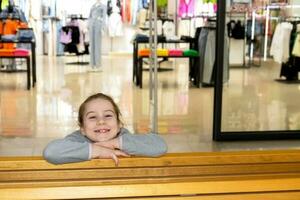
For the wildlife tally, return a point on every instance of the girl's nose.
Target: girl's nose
(100, 121)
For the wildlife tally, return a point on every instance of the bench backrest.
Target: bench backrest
(174, 176)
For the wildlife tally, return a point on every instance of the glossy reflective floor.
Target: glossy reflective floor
(253, 100)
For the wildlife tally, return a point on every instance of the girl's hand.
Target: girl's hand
(104, 152)
(111, 144)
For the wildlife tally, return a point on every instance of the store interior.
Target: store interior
(260, 88)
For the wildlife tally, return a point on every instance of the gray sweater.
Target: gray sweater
(76, 147)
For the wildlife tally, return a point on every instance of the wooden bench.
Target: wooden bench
(32, 62)
(28, 68)
(266, 175)
(136, 42)
(193, 71)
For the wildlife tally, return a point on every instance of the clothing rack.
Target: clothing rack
(291, 68)
(274, 7)
(199, 16)
(77, 16)
(243, 17)
(209, 18)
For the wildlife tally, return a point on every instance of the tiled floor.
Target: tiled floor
(253, 100)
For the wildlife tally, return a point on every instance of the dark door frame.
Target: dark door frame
(218, 134)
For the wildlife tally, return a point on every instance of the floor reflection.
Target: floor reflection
(256, 102)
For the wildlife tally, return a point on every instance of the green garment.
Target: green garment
(4, 4)
(162, 3)
(210, 1)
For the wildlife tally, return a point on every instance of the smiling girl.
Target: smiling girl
(102, 135)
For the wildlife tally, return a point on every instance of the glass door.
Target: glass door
(260, 101)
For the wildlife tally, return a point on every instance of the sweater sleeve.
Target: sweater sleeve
(72, 148)
(150, 144)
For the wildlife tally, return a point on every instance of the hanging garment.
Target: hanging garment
(82, 32)
(296, 48)
(97, 24)
(142, 17)
(201, 46)
(35, 9)
(25, 7)
(128, 11)
(59, 46)
(206, 46)
(52, 8)
(65, 37)
(186, 8)
(123, 10)
(159, 27)
(75, 35)
(16, 13)
(115, 25)
(113, 6)
(198, 7)
(74, 30)
(184, 27)
(169, 30)
(235, 29)
(162, 3)
(145, 3)
(280, 45)
(209, 57)
(134, 11)
(4, 4)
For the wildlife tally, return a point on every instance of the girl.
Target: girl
(102, 135)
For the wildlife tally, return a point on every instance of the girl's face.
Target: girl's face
(100, 121)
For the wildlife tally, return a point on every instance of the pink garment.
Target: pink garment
(186, 8)
(215, 7)
(21, 52)
(175, 52)
(65, 38)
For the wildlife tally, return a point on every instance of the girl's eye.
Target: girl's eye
(108, 116)
(92, 117)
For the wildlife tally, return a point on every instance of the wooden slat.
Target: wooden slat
(151, 172)
(172, 159)
(144, 180)
(156, 189)
(247, 196)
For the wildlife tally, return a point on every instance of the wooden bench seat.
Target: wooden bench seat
(206, 176)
